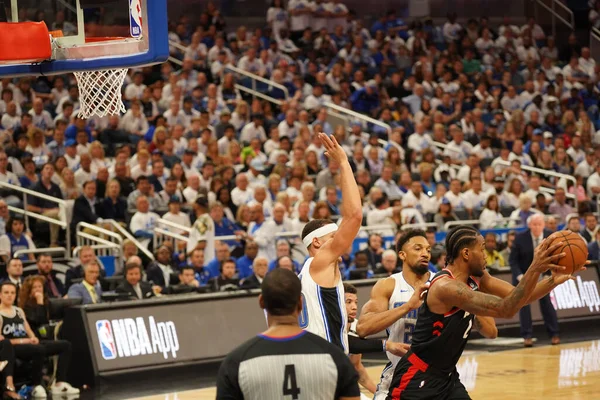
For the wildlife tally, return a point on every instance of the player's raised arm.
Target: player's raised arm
(351, 208)
(375, 315)
(459, 294)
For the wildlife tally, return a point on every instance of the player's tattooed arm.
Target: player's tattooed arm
(458, 294)
(486, 326)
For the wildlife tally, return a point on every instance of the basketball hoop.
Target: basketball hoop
(100, 92)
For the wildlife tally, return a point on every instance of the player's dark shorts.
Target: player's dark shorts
(414, 379)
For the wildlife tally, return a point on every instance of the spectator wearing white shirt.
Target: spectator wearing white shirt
(387, 184)
(266, 237)
(458, 149)
(254, 129)
(382, 215)
(593, 183)
(10, 120)
(483, 150)
(576, 151)
(535, 184)
(174, 116)
(518, 154)
(143, 222)
(490, 217)
(475, 197)
(254, 174)
(586, 167)
(176, 216)
(225, 141)
(321, 11)
(420, 140)
(84, 173)
(416, 197)
(242, 193)
(250, 63)
(511, 101)
(40, 117)
(586, 62)
(135, 90)
(317, 99)
(451, 29)
(290, 126)
(300, 15)
(134, 122)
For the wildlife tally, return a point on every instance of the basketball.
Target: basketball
(575, 248)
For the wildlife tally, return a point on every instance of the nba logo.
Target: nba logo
(107, 342)
(135, 18)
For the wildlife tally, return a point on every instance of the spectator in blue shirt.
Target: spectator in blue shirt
(379, 25)
(244, 263)
(221, 254)
(223, 226)
(79, 124)
(202, 273)
(396, 24)
(366, 100)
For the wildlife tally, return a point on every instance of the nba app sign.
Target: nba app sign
(580, 294)
(135, 18)
(128, 337)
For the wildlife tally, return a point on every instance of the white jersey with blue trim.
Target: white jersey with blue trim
(323, 309)
(400, 331)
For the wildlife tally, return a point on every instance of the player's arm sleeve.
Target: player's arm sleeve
(228, 387)
(362, 346)
(347, 382)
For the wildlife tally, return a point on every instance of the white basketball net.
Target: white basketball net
(100, 92)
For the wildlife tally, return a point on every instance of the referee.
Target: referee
(286, 362)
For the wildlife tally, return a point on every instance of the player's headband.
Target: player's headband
(317, 233)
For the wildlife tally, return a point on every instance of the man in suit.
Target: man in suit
(84, 209)
(594, 248)
(521, 256)
(133, 285)
(89, 289)
(14, 270)
(259, 269)
(160, 272)
(86, 254)
(591, 226)
(187, 281)
(54, 288)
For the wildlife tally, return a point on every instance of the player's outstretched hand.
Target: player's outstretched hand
(416, 299)
(559, 279)
(397, 349)
(333, 150)
(544, 259)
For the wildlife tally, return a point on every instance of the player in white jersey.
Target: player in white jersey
(323, 311)
(394, 301)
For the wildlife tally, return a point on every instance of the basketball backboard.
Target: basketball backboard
(87, 35)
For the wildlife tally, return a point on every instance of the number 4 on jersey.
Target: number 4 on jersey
(290, 387)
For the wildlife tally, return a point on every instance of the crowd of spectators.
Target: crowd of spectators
(465, 106)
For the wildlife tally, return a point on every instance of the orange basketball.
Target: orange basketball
(575, 248)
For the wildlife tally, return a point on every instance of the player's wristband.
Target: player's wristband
(384, 345)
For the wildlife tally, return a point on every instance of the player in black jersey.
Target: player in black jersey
(456, 294)
(286, 362)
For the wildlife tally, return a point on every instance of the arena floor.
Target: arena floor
(568, 371)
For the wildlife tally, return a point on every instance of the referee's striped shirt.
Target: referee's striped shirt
(304, 366)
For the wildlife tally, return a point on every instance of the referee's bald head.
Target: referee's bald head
(281, 290)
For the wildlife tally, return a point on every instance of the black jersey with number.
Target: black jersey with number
(439, 339)
(304, 366)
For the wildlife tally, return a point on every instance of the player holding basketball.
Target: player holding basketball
(395, 300)
(324, 311)
(456, 294)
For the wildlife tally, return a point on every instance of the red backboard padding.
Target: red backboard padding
(24, 42)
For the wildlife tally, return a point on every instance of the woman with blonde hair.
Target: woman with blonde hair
(158, 140)
(518, 121)
(37, 147)
(69, 187)
(242, 217)
(568, 116)
(97, 155)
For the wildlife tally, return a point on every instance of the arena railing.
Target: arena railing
(163, 234)
(448, 225)
(545, 172)
(100, 250)
(555, 5)
(62, 205)
(255, 78)
(116, 227)
(595, 44)
(426, 225)
(23, 252)
(87, 234)
(357, 115)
